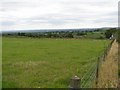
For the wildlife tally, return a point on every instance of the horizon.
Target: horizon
(57, 29)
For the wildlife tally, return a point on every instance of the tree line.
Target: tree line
(53, 34)
(67, 34)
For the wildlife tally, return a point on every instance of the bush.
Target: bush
(110, 32)
(118, 35)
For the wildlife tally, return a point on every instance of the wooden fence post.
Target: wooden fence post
(118, 84)
(97, 72)
(75, 83)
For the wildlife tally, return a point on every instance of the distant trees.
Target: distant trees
(115, 32)
(56, 34)
(110, 32)
(118, 36)
(95, 34)
(21, 34)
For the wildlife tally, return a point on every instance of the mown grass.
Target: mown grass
(47, 62)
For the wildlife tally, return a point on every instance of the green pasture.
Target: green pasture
(41, 63)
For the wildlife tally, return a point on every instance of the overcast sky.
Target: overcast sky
(54, 14)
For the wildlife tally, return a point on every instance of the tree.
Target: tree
(118, 35)
(110, 32)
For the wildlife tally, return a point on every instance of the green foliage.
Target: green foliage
(110, 32)
(21, 34)
(118, 35)
(96, 34)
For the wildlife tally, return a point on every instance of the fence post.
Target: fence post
(75, 83)
(97, 71)
(106, 52)
(118, 84)
(104, 55)
(107, 49)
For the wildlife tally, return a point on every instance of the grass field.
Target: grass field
(47, 62)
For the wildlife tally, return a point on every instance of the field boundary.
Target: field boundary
(90, 78)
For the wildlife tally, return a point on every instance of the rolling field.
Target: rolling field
(47, 62)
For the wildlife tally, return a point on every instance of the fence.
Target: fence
(90, 78)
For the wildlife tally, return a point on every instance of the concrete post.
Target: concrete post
(75, 83)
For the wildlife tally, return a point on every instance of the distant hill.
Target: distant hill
(53, 30)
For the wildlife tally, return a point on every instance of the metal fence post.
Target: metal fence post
(75, 83)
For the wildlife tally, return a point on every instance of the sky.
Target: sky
(57, 14)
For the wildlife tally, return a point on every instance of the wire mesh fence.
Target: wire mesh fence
(90, 78)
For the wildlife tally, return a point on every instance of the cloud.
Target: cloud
(7, 23)
(41, 14)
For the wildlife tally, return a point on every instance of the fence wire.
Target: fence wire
(89, 78)
(91, 74)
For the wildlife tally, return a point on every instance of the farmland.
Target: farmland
(30, 62)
